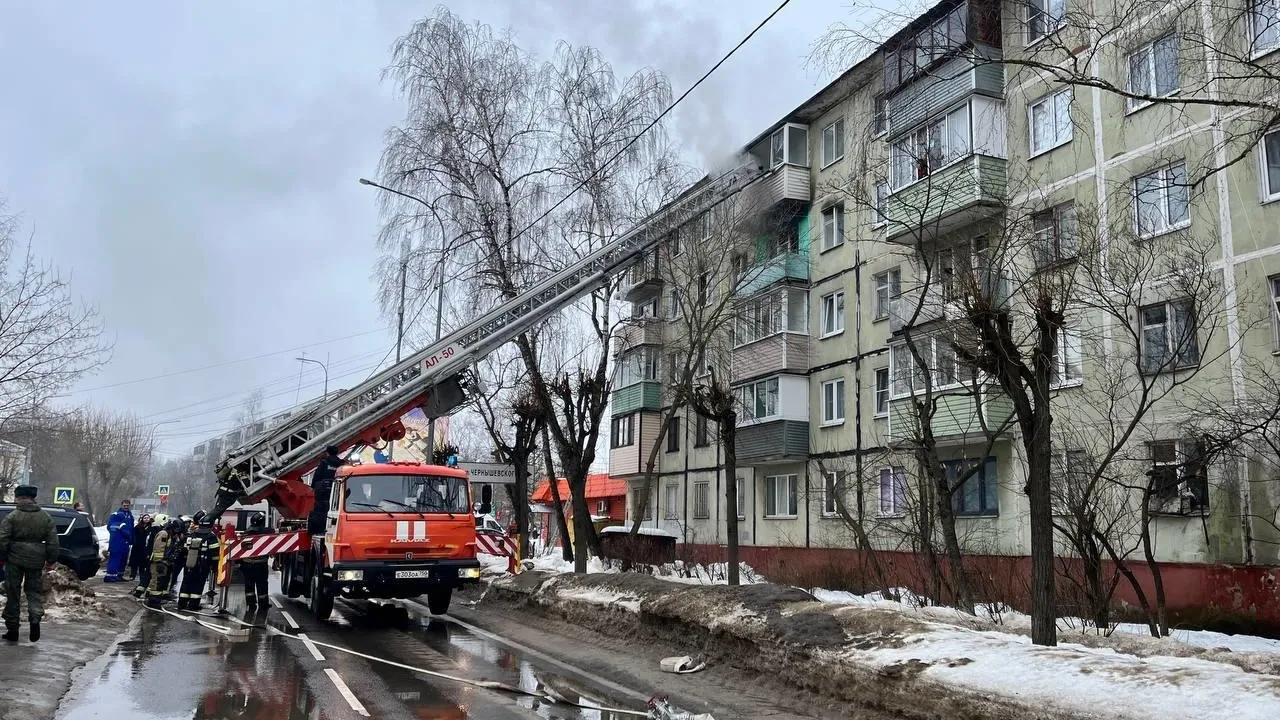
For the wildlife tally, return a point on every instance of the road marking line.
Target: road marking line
(315, 651)
(293, 624)
(347, 695)
(275, 602)
(599, 681)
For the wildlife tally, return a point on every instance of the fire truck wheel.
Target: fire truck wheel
(289, 582)
(438, 600)
(321, 599)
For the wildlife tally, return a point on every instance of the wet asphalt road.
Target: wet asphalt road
(167, 668)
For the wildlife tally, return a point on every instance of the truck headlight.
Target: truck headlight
(470, 573)
(350, 575)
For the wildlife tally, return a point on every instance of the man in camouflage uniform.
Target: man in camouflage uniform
(28, 544)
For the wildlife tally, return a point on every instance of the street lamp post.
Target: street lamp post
(151, 449)
(404, 264)
(322, 367)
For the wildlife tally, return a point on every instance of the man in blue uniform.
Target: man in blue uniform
(120, 529)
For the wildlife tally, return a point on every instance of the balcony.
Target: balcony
(643, 282)
(785, 352)
(909, 309)
(785, 266)
(643, 395)
(971, 189)
(638, 331)
(773, 441)
(955, 419)
(632, 458)
(789, 184)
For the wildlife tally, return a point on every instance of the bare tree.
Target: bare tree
(48, 340)
(106, 452)
(529, 165)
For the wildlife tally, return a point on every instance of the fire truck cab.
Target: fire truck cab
(393, 531)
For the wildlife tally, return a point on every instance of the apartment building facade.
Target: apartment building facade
(920, 166)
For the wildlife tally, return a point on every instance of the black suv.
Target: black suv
(79, 543)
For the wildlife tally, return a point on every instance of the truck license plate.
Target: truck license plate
(411, 574)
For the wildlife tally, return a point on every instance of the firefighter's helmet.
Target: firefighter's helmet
(161, 519)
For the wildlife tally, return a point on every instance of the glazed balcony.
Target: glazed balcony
(960, 415)
(969, 190)
(643, 282)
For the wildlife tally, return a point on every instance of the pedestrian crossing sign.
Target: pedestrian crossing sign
(162, 490)
(64, 496)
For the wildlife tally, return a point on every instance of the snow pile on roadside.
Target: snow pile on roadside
(1133, 638)
(67, 598)
(492, 564)
(711, 574)
(555, 564)
(933, 661)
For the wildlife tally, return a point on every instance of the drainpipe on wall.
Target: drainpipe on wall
(857, 375)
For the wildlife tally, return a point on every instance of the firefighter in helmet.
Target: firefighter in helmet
(201, 556)
(145, 542)
(254, 570)
(161, 562)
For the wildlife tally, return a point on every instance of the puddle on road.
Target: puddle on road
(167, 670)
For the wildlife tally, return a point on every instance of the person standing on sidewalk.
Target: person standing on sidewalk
(138, 551)
(144, 544)
(120, 528)
(28, 545)
(158, 583)
(254, 570)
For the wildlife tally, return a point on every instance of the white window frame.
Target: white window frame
(742, 498)
(832, 314)
(1059, 108)
(702, 500)
(1068, 360)
(928, 150)
(1267, 11)
(622, 431)
(671, 493)
(888, 285)
(879, 116)
(1167, 184)
(832, 227)
(1171, 362)
(894, 505)
(833, 402)
(1055, 18)
(830, 490)
(833, 143)
(1269, 192)
(880, 206)
(928, 348)
(748, 396)
(1150, 71)
(1273, 283)
(705, 293)
(781, 487)
(882, 395)
(1062, 465)
(1055, 236)
(602, 507)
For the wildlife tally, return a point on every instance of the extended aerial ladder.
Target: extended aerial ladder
(272, 466)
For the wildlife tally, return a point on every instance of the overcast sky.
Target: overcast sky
(193, 166)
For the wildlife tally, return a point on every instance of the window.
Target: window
(833, 402)
(602, 507)
(882, 392)
(623, 431)
(673, 435)
(742, 498)
(1271, 164)
(832, 314)
(677, 244)
(832, 226)
(639, 365)
(1050, 122)
(1264, 20)
(930, 148)
(759, 399)
(648, 507)
(789, 144)
(880, 211)
(1068, 478)
(1161, 200)
(972, 494)
(1068, 364)
(1274, 281)
(780, 496)
(1055, 235)
(1178, 478)
(833, 142)
(406, 493)
(640, 311)
(704, 289)
(671, 511)
(1043, 17)
(917, 53)
(701, 432)
(888, 286)
(1169, 337)
(893, 491)
(880, 116)
(701, 500)
(673, 304)
(939, 357)
(785, 310)
(830, 493)
(1153, 71)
